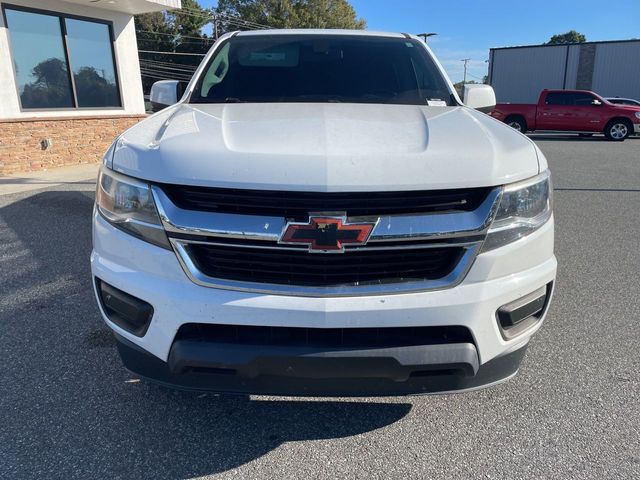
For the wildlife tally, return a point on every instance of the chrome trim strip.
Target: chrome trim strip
(431, 226)
(228, 225)
(449, 281)
(392, 227)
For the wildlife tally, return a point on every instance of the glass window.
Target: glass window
(583, 99)
(559, 98)
(39, 60)
(91, 58)
(623, 101)
(42, 54)
(321, 68)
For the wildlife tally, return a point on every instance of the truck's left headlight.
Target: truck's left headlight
(524, 207)
(127, 204)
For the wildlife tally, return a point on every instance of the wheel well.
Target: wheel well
(619, 119)
(515, 116)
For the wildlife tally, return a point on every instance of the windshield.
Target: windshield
(321, 68)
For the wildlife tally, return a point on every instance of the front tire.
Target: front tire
(517, 123)
(618, 130)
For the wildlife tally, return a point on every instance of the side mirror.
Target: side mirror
(480, 97)
(596, 102)
(165, 93)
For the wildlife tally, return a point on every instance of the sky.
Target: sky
(469, 28)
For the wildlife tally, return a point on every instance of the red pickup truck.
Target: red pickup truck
(571, 110)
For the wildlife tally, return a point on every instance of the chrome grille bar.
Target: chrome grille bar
(389, 228)
(460, 229)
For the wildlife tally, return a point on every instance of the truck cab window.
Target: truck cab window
(583, 99)
(559, 98)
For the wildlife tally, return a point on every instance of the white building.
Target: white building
(611, 69)
(69, 78)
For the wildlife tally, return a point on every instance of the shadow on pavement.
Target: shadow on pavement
(68, 408)
(573, 138)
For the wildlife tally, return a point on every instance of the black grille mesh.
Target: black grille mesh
(354, 267)
(324, 337)
(300, 204)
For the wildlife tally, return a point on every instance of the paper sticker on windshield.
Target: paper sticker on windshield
(434, 102)
(268, 56)
(275, 56)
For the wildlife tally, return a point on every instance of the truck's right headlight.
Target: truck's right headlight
(127, 204)
(524, 207)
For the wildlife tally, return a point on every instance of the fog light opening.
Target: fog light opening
(126, 311)
(520, 315)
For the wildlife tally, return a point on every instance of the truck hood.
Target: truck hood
(324, 147)
(625, 108)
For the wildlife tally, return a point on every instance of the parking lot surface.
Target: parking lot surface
(68, 409)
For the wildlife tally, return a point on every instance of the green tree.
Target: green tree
(570, 37)
(190, 19)
(50, 86)
(178, 31)
(93, 90)
(290, 14)
(154, 32)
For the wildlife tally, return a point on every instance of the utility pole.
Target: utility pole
(215, 25)
(465, 60)
(426, 35)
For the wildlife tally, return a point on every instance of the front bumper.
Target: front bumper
(155, 276)
(636, 128)
(314, 376)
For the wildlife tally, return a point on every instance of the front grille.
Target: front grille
(324, 337)
(351, 268)
(300, 204)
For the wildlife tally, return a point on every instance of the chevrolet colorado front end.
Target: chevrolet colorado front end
(320, 214)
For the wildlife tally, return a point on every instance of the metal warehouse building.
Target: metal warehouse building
(611, 69)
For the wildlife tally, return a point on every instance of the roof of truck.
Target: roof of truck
(313, 31)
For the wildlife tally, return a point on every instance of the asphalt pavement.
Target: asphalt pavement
(68, 409)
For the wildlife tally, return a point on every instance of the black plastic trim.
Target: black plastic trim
(362, 375)
(514, 322)
(126, 311)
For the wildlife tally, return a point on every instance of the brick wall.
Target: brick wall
(72, 141)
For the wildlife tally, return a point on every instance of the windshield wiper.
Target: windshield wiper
(321, 98)
(233, 100)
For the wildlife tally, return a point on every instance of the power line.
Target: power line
(164, 75)
(180, 66)
(205, 42)
(224, 17)
(242, 21)
(168, 71)
(174, 35)
(177, 67)
(476, 77)
(161, 77)
(161, 68)
(165, 72)
(171, 53)
(230, 18)
(166, 63)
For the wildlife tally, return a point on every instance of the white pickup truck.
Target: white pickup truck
(320, 214)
